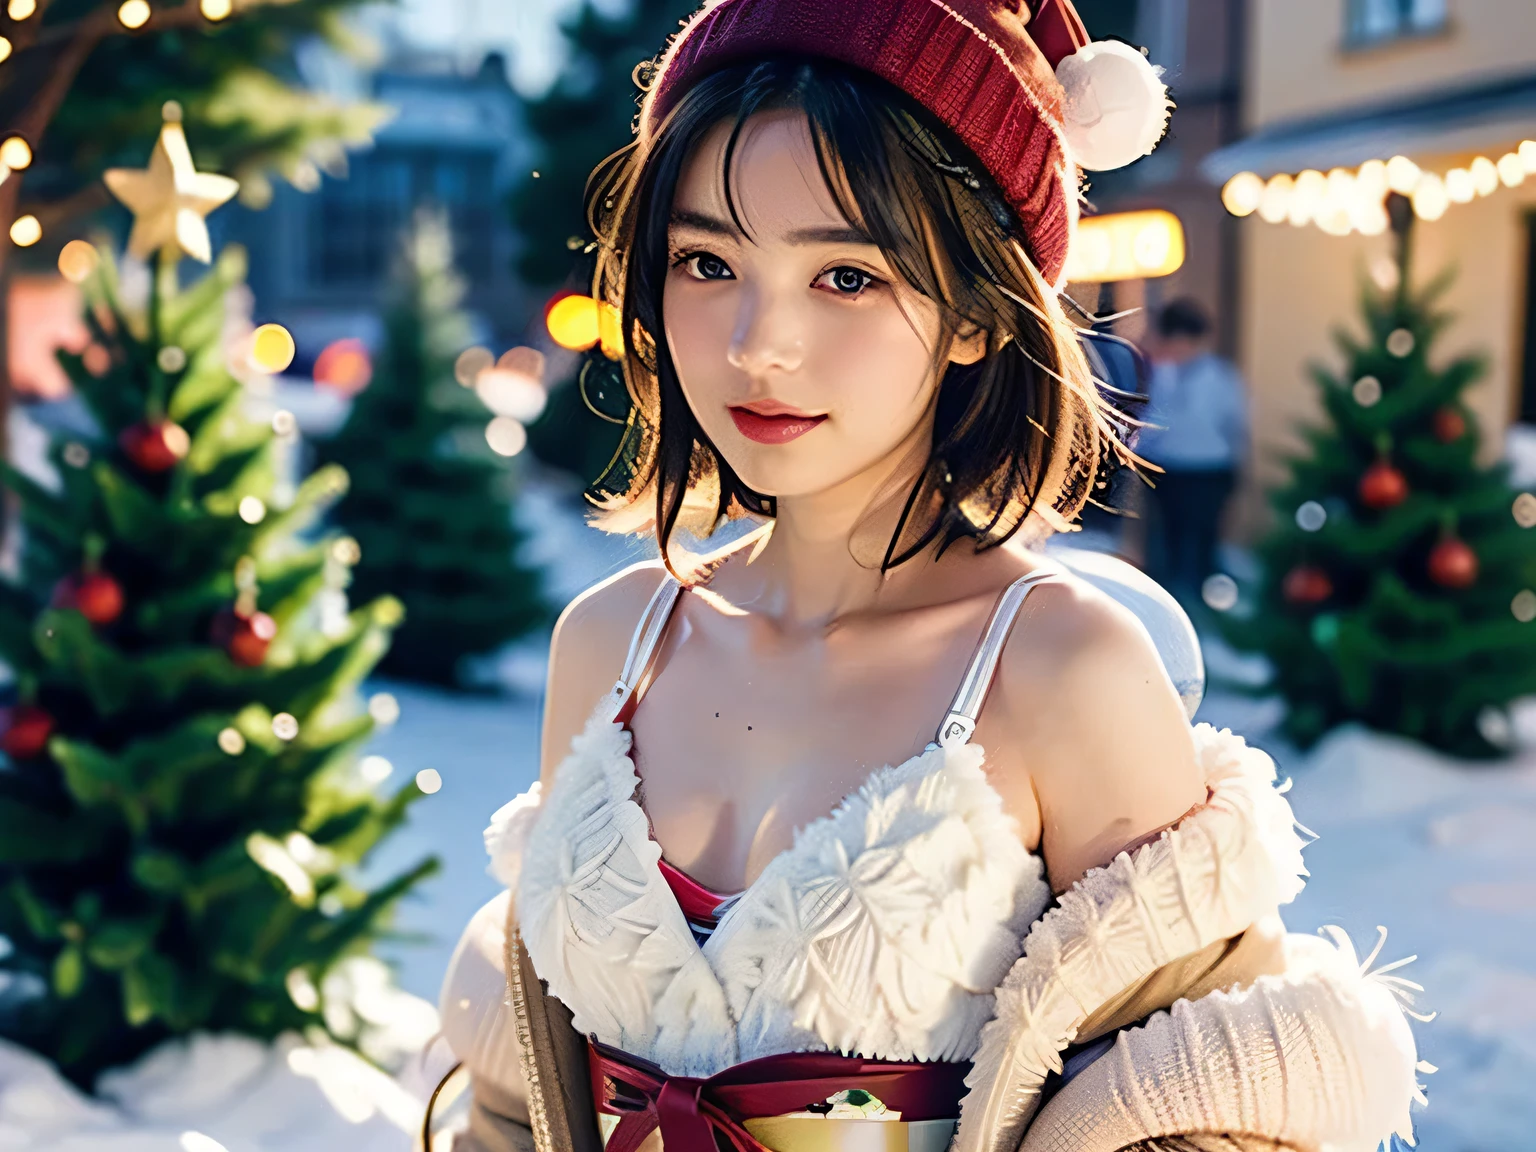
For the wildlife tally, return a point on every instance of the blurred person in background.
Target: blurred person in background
(1197, 434)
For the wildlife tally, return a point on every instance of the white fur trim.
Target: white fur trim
(1221, 870)
(882, 930)
(507, 835)
(1116, 107)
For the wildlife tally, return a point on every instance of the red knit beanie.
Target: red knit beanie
(1017, 80)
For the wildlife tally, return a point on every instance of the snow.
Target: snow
(1442, 853)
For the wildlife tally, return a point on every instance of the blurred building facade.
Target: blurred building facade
(321, 257)
(1333, 84)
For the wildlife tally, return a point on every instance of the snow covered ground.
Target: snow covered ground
(1441, 853)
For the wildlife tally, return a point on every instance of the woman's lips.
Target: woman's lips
(774, 428)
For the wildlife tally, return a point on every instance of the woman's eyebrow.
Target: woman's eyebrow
(818, 234)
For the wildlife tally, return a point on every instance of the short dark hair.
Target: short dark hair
(1022, 431)
(1185, 316)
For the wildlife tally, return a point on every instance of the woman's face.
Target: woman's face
(804, 358)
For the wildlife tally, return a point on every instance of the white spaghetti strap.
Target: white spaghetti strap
(960, 720)
(643, 645)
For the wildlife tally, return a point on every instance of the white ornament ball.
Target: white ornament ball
(1116, 106)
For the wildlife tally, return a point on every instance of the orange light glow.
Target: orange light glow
(345, 366)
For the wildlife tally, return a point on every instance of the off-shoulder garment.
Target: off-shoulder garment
(910, 924)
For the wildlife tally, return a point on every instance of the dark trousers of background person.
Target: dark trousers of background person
(1184, 525)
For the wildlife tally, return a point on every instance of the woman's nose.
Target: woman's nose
(768, 338)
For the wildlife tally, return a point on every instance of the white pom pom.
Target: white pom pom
(1116, 108)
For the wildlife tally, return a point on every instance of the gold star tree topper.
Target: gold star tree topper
(170, 198)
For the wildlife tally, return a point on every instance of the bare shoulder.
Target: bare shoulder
(1100, 727)
(586, 653)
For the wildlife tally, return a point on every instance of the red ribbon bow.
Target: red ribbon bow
(690, 1112)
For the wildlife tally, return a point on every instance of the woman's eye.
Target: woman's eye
(703, 266)
(846, 281)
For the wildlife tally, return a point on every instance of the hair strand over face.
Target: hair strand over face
(1019, 437)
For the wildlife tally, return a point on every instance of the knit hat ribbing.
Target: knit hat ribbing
(985, 68)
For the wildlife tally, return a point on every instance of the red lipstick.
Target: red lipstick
(772, 421)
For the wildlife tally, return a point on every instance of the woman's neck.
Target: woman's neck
(821, 559)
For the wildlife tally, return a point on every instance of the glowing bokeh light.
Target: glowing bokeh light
(133, 14)
(77, 260)
(216, 10)
(573, 322)
(5, 49)
(344, 365)
(1430, 200)
(1511, 170)
(1126, 246)
(15, 153)
(429, 780)
(271, 349)
(1243, 193)
(26, 231)
(469, 365)
(1402, 175)
(506, 436)
(20, 9)
(1485, 176)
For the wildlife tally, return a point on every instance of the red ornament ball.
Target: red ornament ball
(1306, 584)
(95, 595)
(249, 638)
(155, 445)
(24, 731)
(1448, 425)
(1383, 486)
(1452, 564)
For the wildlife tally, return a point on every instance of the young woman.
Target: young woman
(770, 892)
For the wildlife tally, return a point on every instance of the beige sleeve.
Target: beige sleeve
(478, 1024)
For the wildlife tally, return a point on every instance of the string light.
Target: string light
(1430, 200)
(1243, 194)
(252, 510)
(5, 49)
(1344, 201)
(216, 10)
(20, 9)
(77, 260)
(1402, 175)
(1511, 170)
(133, 14)
(271, 349)
(15, 153)
(26, 231)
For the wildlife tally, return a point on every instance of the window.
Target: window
(359, 221)
(1376, 21)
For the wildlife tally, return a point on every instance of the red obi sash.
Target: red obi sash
(691, 1112)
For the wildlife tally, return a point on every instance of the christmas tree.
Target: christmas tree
(180, 815)
(431, 497)
(1397, 587)
(587, 114)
